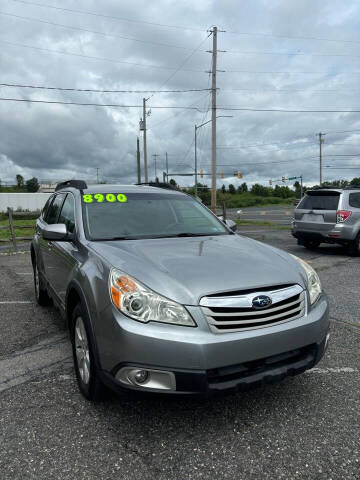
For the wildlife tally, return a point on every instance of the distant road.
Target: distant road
(280, 215)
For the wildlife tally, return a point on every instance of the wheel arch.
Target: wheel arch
(74, 296)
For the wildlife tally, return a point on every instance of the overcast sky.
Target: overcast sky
(298, 54)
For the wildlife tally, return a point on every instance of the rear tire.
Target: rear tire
(87, 372)
(354, 247)
(41, 295)
(310, 244)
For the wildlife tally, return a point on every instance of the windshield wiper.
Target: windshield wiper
(190, 234)
(109, 239)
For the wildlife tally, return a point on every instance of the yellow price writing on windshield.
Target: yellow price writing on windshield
(104, 197)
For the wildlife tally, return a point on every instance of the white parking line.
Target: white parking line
(24, 273)
(333, 370)
(9, 302)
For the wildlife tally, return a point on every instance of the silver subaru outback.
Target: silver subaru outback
(161, 296)
(329, 215)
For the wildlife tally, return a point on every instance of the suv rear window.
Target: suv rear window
(320, 201)
(354, 200)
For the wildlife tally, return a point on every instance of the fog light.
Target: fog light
(148, 379)
(141, 376)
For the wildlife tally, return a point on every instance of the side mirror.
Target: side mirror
(231, 224)
(56, 232)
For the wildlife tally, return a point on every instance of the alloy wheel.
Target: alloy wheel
(82, 350)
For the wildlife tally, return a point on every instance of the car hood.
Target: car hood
(186, 269)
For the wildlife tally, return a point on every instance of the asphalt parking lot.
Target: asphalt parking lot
(307, 427)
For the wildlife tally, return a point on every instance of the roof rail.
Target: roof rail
(158, 185)
(352, 187)
(78, 184)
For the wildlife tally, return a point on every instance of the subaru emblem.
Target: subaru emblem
(261, 301)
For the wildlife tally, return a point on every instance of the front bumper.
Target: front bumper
(204, 362)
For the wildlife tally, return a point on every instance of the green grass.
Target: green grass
(12, 189)
(254, 222)
(249, 200)
(26, 232)
(272, 225)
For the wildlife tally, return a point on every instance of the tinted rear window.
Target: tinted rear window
(354, 200)
(320, 201)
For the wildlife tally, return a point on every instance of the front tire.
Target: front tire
(87, 373)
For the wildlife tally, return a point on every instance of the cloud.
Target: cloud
(54, 142)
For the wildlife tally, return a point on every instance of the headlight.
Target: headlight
(314, 284)
(142, 304)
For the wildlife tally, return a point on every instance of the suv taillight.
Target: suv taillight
(342, 215)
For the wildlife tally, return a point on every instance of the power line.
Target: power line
(177, 113)
(287, 73)
(345, 155)
(95, 32)
(160, 67)
(88, 104)
(284, 110)
(264, 163)
(285, 91)
(112, 17)
(157, 66)
(176, 107)
(182, 64)
(238, 52)
(290, 37)
(100, 91)
(345, 131)
(179, 27)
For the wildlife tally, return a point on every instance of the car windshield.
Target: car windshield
(147, 215)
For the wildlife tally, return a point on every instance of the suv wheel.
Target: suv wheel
(310, 244)
(86, 370)
(354, 247)
(41, 294)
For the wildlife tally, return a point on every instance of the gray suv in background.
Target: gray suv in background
(329, 215)
(161, 296)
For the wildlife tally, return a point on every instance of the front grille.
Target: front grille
(229, 313)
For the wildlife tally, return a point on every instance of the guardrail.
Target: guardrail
(12, 227)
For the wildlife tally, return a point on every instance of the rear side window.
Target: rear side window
(354, 200)
(320, 201)
(53, 211)
(67, 214)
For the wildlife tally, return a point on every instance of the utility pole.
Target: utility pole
(301, 186)
(138, 159)
(97, 174)
(321, 141)
(155, 157)
(196, 189)
(167, 166)
(213, 123)
(145, 148)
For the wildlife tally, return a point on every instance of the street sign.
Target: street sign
(292, 178)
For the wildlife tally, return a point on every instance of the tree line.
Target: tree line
(22, 185)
